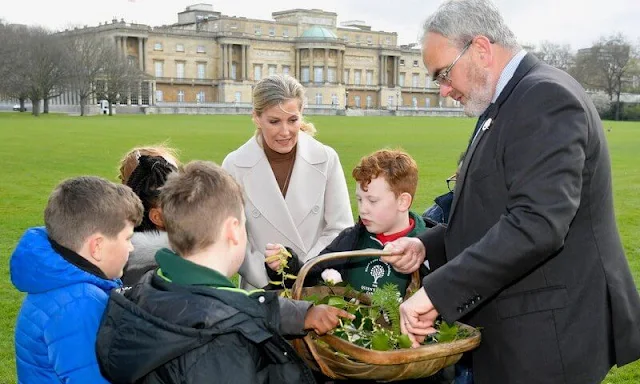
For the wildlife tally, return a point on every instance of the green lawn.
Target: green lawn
(36, 153)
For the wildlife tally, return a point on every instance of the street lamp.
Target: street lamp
(346, 99)
(397, 99)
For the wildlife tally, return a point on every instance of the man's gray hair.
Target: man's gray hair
(462, 20)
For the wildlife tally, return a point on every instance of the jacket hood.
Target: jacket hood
(35, 267)
(169, 320)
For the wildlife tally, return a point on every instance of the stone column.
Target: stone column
(140, 54)
(229, 59)
(395, 71)
(311, 74)
(140, 93)
(298, 60)
(244, 60)
(124, 46)
(222, 54)
(151, 95)
(326, 65)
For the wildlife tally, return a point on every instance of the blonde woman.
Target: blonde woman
(295, 190)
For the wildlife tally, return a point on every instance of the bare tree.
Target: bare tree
(556, 55)
(13, 62)
(118, 78)
(605, 66)
(86, 53)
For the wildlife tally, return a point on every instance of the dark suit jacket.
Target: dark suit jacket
(532, 252)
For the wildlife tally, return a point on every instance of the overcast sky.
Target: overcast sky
(575, 22)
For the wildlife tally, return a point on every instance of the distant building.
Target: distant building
(207, 57)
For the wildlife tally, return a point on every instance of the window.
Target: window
(202, 70)
(427, 81)
(285, 32)
(238, 97)
(159, 95)
(401, 79)
(304, 74)
(200, 97)
(387, 40)
(234, 26)
(345, 38)
(415, 63)
(369, 101)
(345, 79)
(159, 66)
(334, 99)
(234, 71)
(357, 39)
(414, 102)
(180, 69)
(402, 62)
(257, 72)
(272, 69)
(369, 77)
(318, 74)
(415, 79)
(157, 47)
(357, 101)
(390, 101)
(331, 75)
(179, 47)
(318, 98)
(180, 96)
(285, 69)
(427, 102)
(272, 31)
(257, 29)
(369, 40)
(200, 49)
(357, 74)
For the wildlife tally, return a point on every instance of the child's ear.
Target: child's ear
(404, 201)
(232, 230)
(155, 215)
(93, 246)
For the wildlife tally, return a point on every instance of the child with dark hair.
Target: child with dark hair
(146, 180)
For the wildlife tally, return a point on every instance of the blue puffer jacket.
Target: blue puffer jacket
(57, 325)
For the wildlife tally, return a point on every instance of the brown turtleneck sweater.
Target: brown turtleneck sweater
(282, 166)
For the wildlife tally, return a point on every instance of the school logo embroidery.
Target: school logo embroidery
(377, 269)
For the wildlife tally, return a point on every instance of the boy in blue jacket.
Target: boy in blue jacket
(67, 270)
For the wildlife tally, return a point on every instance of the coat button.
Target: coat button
(460, 309)
(315, 209)
(255, 213)
(261, 299)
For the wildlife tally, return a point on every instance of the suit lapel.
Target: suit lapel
(528, 62)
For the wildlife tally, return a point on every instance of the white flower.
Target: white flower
(331, 276)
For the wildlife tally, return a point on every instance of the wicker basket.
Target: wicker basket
(339, 359)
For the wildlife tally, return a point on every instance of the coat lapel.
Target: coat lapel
(308, 182)
(262, 190)
(528, 62)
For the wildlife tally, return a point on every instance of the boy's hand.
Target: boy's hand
(323, 318)
(273, 250)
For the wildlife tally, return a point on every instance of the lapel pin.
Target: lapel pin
(487, 124)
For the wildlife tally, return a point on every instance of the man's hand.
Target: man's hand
(417, 316)
(323, 318)
(273, 250)
(407, 254)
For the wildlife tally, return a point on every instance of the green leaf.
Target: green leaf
(275, 282)
(447, 332)
(357, 322)
(404, 342)
(380, 341)
(290, 276)
(312, 298)
(367, 324)
(337, 301)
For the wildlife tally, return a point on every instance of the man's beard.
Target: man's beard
(481, 92)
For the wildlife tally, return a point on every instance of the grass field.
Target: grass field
(36, 153)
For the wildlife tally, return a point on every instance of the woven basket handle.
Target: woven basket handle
(296, 292)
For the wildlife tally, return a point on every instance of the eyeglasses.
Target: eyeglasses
(451, 182)
(442, 78)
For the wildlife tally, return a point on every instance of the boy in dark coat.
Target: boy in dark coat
(186, 322)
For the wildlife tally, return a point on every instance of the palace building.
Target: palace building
(208, 57)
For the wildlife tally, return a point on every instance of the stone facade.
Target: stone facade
(207, 57)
